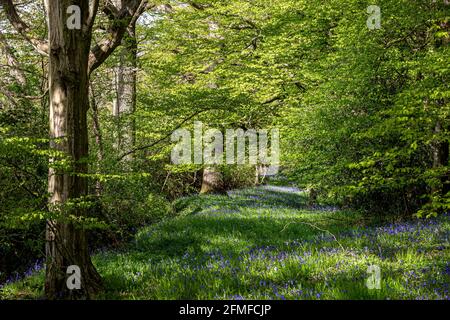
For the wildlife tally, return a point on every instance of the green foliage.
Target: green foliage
(124, 206)
(238, 176)
(363, 132)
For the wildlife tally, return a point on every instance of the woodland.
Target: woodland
(351, 98)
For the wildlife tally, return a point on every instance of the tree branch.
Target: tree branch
(13, 64)
(120, 20)
(164, 137)
(22, 28)
(198, 6)
(93, 9)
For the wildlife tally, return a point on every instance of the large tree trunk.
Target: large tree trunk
(71, 62)
(212, 180)
(66, 242)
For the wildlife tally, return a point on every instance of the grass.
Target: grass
(264, 243)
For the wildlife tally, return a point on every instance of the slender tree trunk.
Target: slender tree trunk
(212, 180)
(312, 196)
(260, 173)
(66, 243)
(98, 140)
(440, 150)
(257, 181)
(124, 104)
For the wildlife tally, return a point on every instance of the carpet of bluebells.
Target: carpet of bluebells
(266, 243)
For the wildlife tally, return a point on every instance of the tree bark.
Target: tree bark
(212, 180)
(257, 181)
(98, 141)
(124, 104)
(66, 242)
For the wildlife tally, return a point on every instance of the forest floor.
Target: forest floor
(266, 243)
